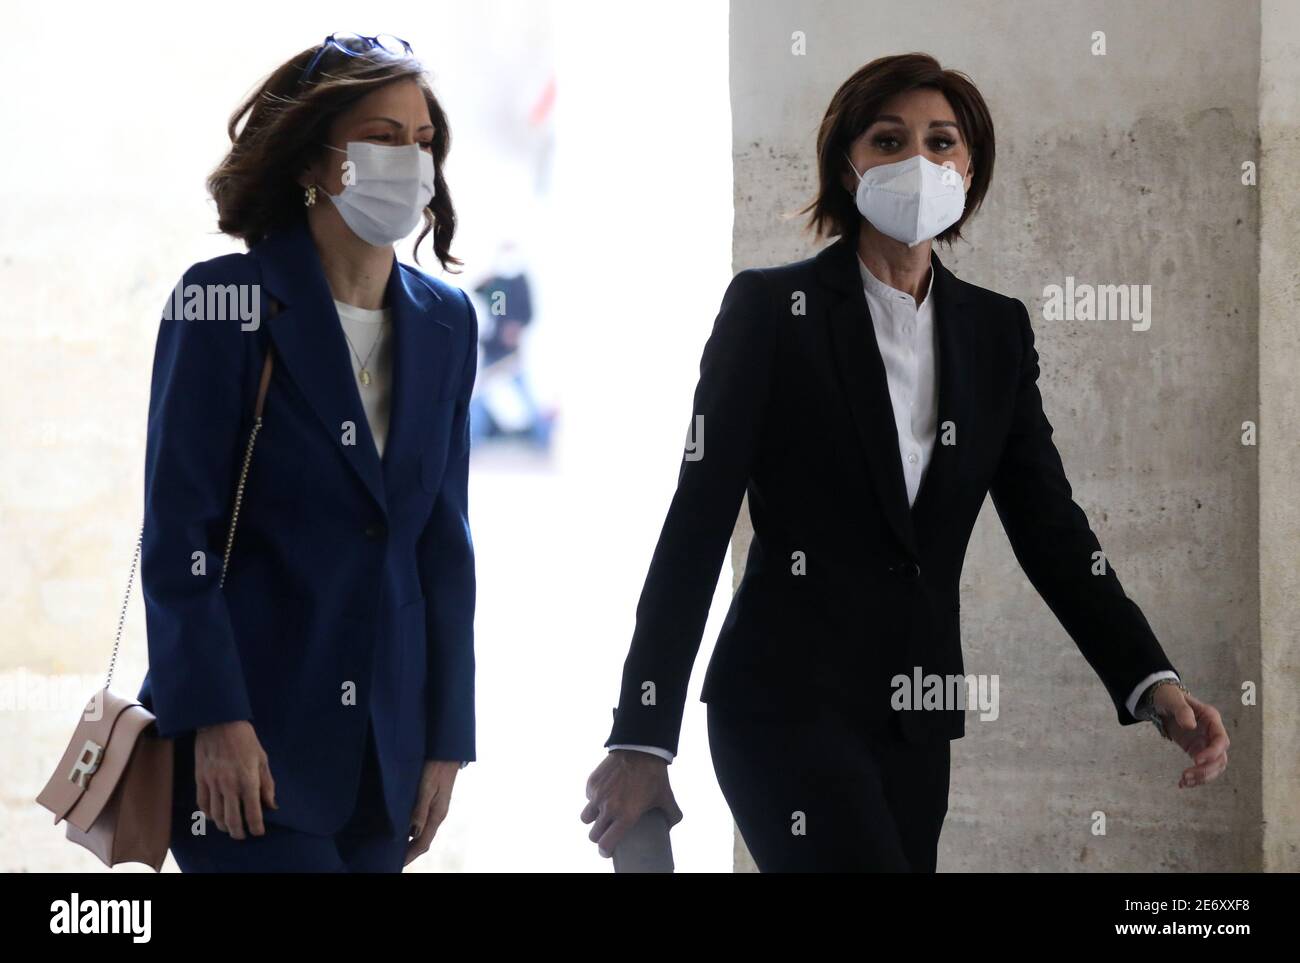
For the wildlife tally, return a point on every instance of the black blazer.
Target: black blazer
(796, 412)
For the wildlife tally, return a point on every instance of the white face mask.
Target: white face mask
(391, 187)
(911, 201)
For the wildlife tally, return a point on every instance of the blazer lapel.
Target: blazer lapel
(309, 341)
(953, 353)
(421, 353)
(862, 375)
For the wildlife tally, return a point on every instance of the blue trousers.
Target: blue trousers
(367, 844)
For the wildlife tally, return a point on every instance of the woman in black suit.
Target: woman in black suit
(867, 401)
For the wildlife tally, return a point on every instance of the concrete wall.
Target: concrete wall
(1123, 168)
(1279, 454)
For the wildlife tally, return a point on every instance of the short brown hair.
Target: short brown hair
(287, 121)
(855, 107)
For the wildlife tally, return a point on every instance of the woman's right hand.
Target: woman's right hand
(231, 774)
(626, 785)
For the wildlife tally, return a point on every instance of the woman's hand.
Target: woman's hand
(626, 785)
(431, 805)
(1198, 728)
(230, 772)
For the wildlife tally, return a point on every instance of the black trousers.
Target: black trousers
(816, 792)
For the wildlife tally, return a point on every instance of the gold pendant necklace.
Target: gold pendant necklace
(364, 373)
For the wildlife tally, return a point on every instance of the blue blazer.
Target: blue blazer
(349, 600)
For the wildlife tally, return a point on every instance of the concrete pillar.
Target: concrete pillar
(1279, 418)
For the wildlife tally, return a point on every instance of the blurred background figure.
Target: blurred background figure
(504, 406)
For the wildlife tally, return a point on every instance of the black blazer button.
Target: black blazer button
(908, 570)
(375, 531)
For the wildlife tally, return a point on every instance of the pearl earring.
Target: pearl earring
(310, 196)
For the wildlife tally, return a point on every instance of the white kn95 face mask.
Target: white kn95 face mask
(912, 200)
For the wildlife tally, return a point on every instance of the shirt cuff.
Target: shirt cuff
(1131, 705)
(663, 754)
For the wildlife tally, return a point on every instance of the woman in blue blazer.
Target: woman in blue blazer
(321, 691)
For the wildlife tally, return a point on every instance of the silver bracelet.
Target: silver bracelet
(1147, 708)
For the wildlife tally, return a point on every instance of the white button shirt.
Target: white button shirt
(905, 334)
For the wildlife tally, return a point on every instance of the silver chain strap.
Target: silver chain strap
(225, 559)
(121, 618)
(239, 498)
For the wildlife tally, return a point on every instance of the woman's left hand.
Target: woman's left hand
(431, 806)
(1198, 728)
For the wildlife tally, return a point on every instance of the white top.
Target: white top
(905, 334)
(370, 333)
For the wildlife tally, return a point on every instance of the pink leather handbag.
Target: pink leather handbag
(113, 785)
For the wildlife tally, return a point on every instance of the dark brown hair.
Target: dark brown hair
(855, 107)
(287, 121)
